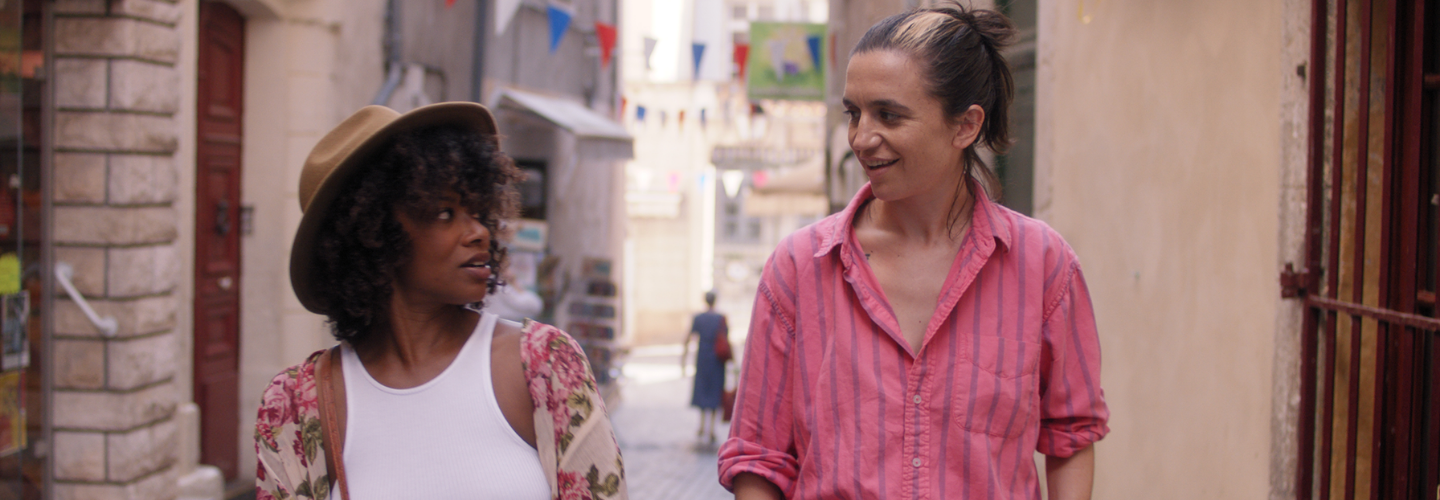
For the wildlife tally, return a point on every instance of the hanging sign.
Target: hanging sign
(792, 67)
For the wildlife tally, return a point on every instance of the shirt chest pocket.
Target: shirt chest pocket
(1001, 385)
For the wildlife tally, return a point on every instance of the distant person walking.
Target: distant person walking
(926, 341)
(710, 326)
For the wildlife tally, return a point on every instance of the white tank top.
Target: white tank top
(445, 439)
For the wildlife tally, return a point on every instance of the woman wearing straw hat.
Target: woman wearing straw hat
(424, 397)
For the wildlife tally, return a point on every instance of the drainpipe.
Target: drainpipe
(395, 70)
(477, 62)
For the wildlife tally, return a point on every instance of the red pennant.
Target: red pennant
(742, 55)
(606, 34)
(449, 3)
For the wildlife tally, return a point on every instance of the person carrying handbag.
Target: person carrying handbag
(425, 396)
(711, 354)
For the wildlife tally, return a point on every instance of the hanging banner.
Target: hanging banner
(792, 68)
(741, 56)
(649, 49)
(559, 22)
(504, 12)
(606, 34)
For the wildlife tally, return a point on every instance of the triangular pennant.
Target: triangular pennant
(449, 3)
(649, 49)
(559, 22)
(813, 41)
(742, 56)
(777, 59)
(640, 113)
(680, 120)
(832, 50)
(759, 178)
(702, 117)
(504, 12)
(606, 34)
(697, 50)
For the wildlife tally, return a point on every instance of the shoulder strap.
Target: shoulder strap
(330, 383)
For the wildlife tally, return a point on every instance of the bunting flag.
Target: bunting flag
(649, 49)
(813, 41)
(697, 50)
(832, 51)
(606, 34)
(732, 180)
(759, 178)
(449, 3)
(702, 118)
(640, 113)
(777, 58)
(504, 12)
(623, 102)
(664, 117)
(680, 120)
(742, 56)
(559, 22)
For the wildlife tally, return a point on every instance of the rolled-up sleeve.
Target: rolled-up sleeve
(761, 441)
(1073, 411)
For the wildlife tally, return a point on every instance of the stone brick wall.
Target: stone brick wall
(116, 133)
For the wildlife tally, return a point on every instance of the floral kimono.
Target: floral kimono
(576, 444)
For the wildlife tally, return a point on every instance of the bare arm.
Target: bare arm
(753, 487)
(1069, 478)
(685, 352)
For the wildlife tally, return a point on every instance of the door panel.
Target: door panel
(217, 235)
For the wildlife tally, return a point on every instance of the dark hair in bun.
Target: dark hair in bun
(960, 51)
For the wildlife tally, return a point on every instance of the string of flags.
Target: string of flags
(558, 16)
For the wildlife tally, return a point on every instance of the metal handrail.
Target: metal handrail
(107, 325)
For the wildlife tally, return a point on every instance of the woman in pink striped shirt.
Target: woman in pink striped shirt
(925, 342)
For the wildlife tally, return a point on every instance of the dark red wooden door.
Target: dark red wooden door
(217, 235)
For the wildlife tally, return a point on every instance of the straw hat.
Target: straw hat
(342, 153)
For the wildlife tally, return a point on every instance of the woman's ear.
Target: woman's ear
(971, 122)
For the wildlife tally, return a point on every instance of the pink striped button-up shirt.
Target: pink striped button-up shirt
(833, 404)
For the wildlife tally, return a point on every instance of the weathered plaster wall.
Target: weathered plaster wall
(1158, 158)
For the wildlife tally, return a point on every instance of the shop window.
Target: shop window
(532, 189)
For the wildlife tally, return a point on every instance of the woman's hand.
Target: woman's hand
(749, 486)
(1069, 478)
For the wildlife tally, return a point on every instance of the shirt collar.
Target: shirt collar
(988, 218)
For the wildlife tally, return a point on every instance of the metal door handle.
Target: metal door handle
(222, 217)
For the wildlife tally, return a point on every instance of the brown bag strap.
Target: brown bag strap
(332, 417)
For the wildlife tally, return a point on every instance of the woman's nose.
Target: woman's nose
(476, 232)
(863, 136)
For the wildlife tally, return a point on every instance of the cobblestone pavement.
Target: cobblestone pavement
(664, 460)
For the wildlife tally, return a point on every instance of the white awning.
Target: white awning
(584, 122)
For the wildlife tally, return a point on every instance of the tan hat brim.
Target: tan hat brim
(348, 162)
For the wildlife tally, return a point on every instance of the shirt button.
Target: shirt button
(915, 462)
(917, 399)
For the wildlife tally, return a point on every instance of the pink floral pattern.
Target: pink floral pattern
(582, 460)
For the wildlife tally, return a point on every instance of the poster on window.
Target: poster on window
(786, 61)
(12, 414)
(14, 334)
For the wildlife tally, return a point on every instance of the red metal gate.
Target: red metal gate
(1370, 368)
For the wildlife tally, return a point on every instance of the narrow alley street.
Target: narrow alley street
(664, 460)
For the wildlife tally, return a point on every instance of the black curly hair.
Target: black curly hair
(361, 244)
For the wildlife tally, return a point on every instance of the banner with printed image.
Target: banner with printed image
(786, 61)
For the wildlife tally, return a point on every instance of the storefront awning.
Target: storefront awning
(584, 122)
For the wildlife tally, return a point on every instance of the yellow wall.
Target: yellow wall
(1159, 158)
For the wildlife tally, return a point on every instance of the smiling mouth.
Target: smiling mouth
(872, 165)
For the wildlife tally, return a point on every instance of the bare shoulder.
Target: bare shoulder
(507, 337)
